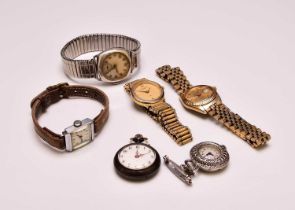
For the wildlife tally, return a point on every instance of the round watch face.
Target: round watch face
(137, 161)
(147, 91)
(200, 95)
(210, 156)
(115, 66)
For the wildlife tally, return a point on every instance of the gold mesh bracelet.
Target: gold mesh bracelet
(235, 123)
(175, 77)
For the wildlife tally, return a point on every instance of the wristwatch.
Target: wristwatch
(81, 132)
(150, 96)
(205, 99)
(117, 59)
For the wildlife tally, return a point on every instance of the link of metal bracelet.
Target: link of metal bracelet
(248, 132)
(166, 116)
(91, 43)
(175, 77)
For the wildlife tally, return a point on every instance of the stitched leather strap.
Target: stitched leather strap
(54, 94)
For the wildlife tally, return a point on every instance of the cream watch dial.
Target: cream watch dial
(137, 157)
(81, 137)
(148, 91)
(209, 152)
(115, 66)
(200, 95)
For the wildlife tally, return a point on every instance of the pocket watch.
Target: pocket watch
(207, 156)
(150, 96)
(137, 160)
(117, 60)
(204, 99)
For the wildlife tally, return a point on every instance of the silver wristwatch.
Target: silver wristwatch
(117, 58)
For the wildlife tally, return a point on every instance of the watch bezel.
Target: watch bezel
(100, 58)
(210, 165)
(202, 106)
(137, 175)
(71, 129)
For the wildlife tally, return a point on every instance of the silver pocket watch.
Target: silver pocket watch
(207, 156)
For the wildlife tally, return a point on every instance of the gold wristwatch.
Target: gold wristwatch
(205, 99)
(150, 96)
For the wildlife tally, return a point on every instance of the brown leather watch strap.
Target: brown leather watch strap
(60, 91)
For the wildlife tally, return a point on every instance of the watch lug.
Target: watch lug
(127, 88)
(95, 59)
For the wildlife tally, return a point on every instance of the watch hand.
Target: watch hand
(144, 91)
(111, 68)
(81, 137)
(143, 154)
(136, 154)
(115, 67)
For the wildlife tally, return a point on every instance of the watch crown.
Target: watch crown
(77, 123)
(138, 138)
(127, 88)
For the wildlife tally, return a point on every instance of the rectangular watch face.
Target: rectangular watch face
(81, 136)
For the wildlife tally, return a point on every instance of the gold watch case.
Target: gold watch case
(200, 98)
(145, 92)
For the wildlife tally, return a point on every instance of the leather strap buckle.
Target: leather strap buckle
(57, 86)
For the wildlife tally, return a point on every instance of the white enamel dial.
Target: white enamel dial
(137, 156)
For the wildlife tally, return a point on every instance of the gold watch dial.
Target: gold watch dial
(200, 95)
(147, 91)
(115, 66)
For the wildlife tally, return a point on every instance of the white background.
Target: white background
(244, 48)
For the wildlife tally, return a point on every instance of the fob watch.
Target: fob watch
(207, 156)
(137, 160)
(81, 132)
(205, 99)
(150, 96)
(117, 59)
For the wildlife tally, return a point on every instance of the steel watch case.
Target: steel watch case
(71, 129)
(99, 62)
(210, 165)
